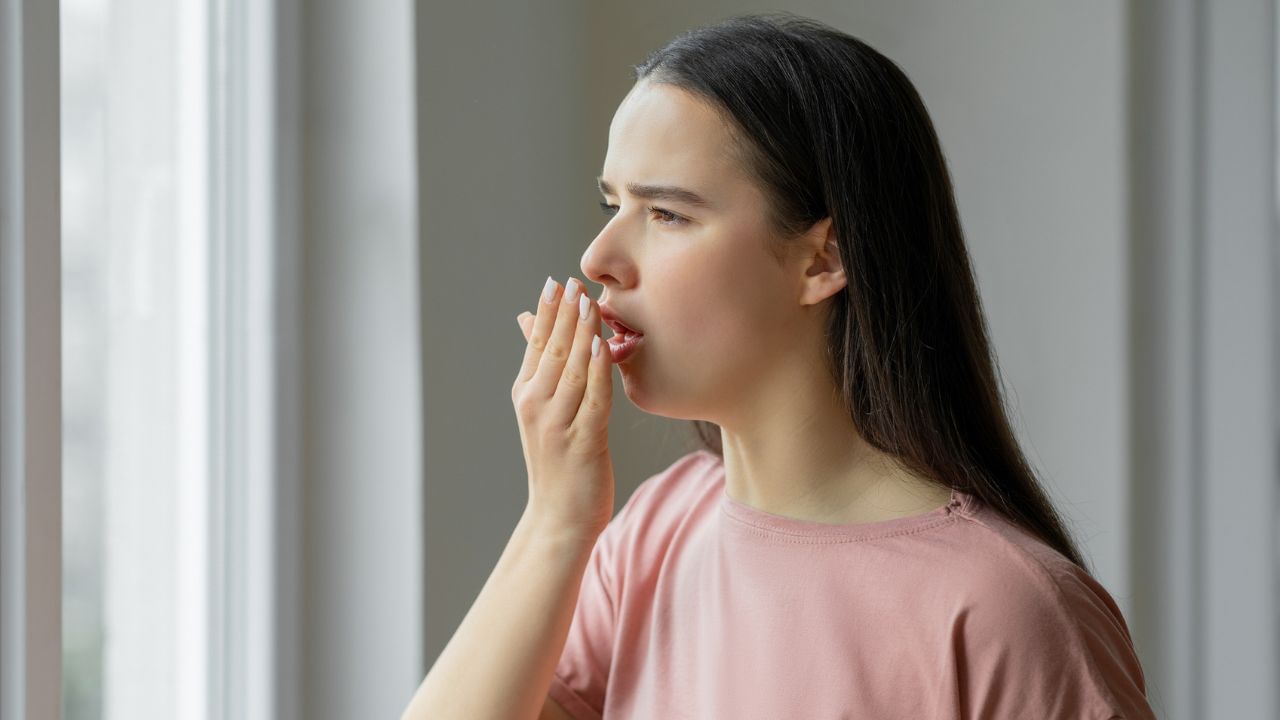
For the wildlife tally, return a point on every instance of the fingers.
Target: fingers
(593, 410)
(555, 355)
(573, 378)
(559, 364)
(548, 305)
(554, 329)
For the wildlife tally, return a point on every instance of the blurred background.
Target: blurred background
(295, 237)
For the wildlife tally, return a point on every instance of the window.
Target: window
(163, 269)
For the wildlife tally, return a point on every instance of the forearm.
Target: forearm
(499, 662)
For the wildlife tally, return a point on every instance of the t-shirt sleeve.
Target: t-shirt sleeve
(625, 553)
(1056, 646)
(582, 674)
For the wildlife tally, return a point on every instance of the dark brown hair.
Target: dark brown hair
(832, 128)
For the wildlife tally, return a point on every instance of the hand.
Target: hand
(562, 399)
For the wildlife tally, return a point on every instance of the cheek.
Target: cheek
(713, 305)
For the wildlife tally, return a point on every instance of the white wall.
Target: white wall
(359, 373)
(30, 349)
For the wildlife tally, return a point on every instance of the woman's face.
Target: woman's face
(718, 313)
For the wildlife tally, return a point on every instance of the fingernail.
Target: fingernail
(595, 345)
(549, 291)
(584, 305)
(571, 290)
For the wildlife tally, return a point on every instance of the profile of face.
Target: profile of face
(721, 318)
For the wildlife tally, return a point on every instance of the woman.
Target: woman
(860, 534)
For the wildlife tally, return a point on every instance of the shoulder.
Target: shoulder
(1018, 578)
(1024, 605)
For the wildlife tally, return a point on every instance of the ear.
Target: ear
(823, 270)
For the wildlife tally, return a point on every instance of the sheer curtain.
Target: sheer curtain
(210, 368)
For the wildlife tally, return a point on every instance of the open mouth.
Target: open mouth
(624, 335)
(622, 332)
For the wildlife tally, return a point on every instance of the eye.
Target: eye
(666, 217)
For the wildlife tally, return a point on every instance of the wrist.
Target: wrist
(542, 528)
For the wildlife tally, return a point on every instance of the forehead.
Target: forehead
(661, 133)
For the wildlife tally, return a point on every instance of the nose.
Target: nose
(606, 260)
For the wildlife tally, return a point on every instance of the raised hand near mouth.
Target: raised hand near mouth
(562, 397)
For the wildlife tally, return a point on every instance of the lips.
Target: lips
(615, 322)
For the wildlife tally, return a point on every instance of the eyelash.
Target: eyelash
(611, 210)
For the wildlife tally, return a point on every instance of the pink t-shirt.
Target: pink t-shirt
(697, 606)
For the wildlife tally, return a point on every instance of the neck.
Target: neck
(804, 459)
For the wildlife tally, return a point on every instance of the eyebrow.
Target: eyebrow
(670, 193)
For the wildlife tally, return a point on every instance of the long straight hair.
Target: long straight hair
(829, 127)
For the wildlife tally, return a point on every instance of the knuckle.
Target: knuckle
(525, 407)
(572, 376)
(556, 351)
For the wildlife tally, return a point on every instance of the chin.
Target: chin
(640, 390)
